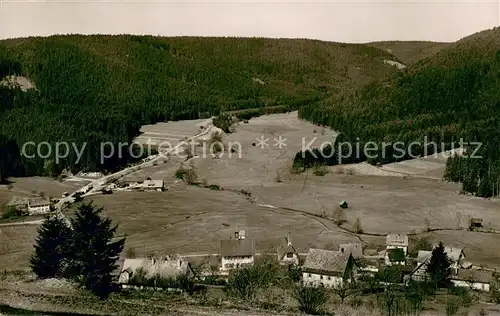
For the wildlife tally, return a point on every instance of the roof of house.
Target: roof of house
(161, 267)
(237, 247)
(38, 201)
(285, 247)
(326, 261)
(396, 255)
(18, 200)
(356, 249)
(396, 240)
(453, 253)
(423, 255)
(479, 276)
(153, 183)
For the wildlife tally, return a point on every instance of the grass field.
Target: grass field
(192, 220)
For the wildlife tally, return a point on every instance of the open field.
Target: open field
(192, 220)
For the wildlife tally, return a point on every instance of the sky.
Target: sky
(352, 21)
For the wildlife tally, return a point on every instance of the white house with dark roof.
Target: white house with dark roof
(153, 185)
(455, 254)
(237, 252)
(38, 206)
(328, 268)
(473, 279)
(163, 268)
(287, 254)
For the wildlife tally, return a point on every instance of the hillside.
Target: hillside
(103, 88)
(410, 52)
(450, 96)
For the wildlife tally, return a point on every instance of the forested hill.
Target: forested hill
(451, 95)
(103, 88)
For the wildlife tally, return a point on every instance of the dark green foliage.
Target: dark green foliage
(443, 99)
(224, 122)
(180, 173)
(12, 212)
(439, 267)
(311, 299)
(93, 89)
(244, 283)
(396, 255)
(50, 247)
(93, 253)
(390, 274)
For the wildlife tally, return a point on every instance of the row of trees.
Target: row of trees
(444, 99)
(85, 252)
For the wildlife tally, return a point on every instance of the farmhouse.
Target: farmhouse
(139, 271)
(287, 254)
(153, 185)
(473, 279)
(38, 206)
(237, 252)
(328, 268)
(356, 249)
(456, 256)
(19, 203)
(393, 241)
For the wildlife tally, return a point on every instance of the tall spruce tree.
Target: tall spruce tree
(93, 252)
(47, 259)
(439, 266)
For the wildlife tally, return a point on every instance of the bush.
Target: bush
(244, 283)
(191, 176)
(320, 170)
(311, 299)
(12, 212)
(179, 173)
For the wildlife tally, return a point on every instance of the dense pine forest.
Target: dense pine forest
(450, 96)
(96, 89)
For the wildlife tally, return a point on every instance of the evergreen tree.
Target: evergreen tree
(47, 259)
(439, 266)
(93, 253)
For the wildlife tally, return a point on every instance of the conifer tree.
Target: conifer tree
(94, 253)
(47, 259)
(439, 266)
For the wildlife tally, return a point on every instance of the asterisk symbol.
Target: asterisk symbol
(262, 142)
(280, 142)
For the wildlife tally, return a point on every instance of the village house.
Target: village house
(153, 185)
(19, 203)
(38, 206)
(167, 269)
(237, 252)
(473, 279)
(394, 241)
(287, 254)
(328, 268)
(356, 249)
(456, 256)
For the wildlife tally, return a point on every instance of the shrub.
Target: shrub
(245, 282)
(311, 299)
(452, 306)
(320, 170)
(12, 212)
(191, 176)
(179, 173)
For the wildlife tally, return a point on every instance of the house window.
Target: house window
(289, 255)
(309, 275)
(321, 277)
(329, 278)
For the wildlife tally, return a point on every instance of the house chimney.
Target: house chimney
(288, 239)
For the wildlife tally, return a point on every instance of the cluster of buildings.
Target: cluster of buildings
(330, 268)
(30, 205)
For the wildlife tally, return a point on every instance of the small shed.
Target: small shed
(343, 204)
(476, 223)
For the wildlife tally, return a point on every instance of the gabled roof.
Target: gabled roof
(479, 276)
(38, 201)
(18, 201)
(237, 247)
(285, 248)
(453, 253)
(356, 249)
(326, 261)
(163, 268)
(423, 256)
(396, 240)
